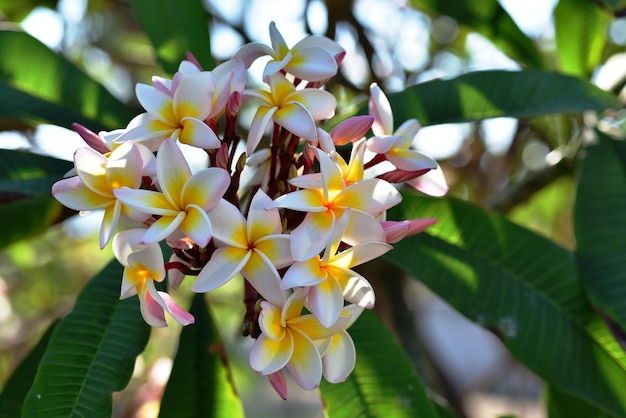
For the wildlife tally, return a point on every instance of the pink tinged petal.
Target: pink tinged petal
(147, 130)
(175, 276)
(396, 231)
(229, 225)
(73, 193)
(109, 223)
(91, 168)
(224, 264)
(312, 64)
(351, 129)
(304, 274)
(407, 132)
(125, 242)
(190, 98)
(279, 384)
(146, 201)
(261, 120)
(163, 228)
(250, 52)
(359, 254)
(128, 288)
(372, 196)
(91, 138)
(197, 133)
(319, 103)
(410, 160)
(381, 144)
(277, 249)
(400, 176)
(261, 220)
(151, 310)
(269, 321)
(157, 103)
(268, 356)
(319, 41)
(432, 183)
(172, 172)
(179, 314)
(206, 188)
(311, 236)
(340, 358)
(263, 276)
(326, 301)
(380, 109)
(296, 119)
(305, 364)
(197, 225)
(124, 167)
(302, 200)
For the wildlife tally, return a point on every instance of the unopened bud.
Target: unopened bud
(241, 162)
(192, 59)
(233, 104)
(221, 158)
(399, 176)
(91, 138)
(351, 129)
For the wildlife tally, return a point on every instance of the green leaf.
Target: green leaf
(522, 287)
(600, 225)
(581, 29)
(384, 382)
(18, 385)
(489, 19)
(37, 84)
(563, 405)
(26, 205)
(91, 353)
(200, 384)
(489, 94)
(175, 28)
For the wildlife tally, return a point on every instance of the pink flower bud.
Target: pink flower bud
(279, 383)
(397, 230)
(233, 104)
(221, 159)
(399, 176)
(351, 129)
(192, 59)
(91, 138)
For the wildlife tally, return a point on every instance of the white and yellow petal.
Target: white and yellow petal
(205, 188)
(268, 356)
(224, 264)
(197, 225)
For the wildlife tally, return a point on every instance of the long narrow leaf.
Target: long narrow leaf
(175, 28)
(200, 384)
(384, 382)
(489, 94)
(26, 206)
(91, 353)
(563, 405)
(600, 225)
(522, 287)
(18, 385)
(37, 84)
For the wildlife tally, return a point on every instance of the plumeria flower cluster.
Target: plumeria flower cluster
(282, 207)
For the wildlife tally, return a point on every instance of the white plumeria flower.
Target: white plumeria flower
(329, 279)
(294, 110)
(326, 202)
(185, 199)
(97, 179)
(255, 248)
(287, 340)
(143, 265)
(314, 58)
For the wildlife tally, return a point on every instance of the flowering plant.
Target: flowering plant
(294, 229)
(294, 183)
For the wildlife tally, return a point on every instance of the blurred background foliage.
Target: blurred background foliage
(522, 168)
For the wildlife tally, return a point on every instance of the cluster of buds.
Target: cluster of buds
(293, 227)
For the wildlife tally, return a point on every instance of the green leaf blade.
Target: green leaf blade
(489, 94)
(37, 84)
(600, 222)
(91, 353)
(522, 287)
(384, 382)
(200, 384)
(175, 28)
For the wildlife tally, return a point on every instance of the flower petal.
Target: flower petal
(197, 133)
(261, 220)
(310, 237)
(73, 193)
(172, 172)
(302, 200)
(197, 225)
(91, 168)
(372, 196)
(229, 225)
(276, 248)
(124, 167)
(268, 356)
(157, 103)
(109, 223)
(261, 120)
(179, 314)
(224, 264)
(278, 382)
(296, 119)
(340, 358)
(151, 310)
(305, 364)
(312, 63)
(190, 97)
(380, 109)
(263, 276)
(356, 288)
(410, 160)
(205, 188)
(303, 273)
(162, 228)
(269, 321)
(325, 301)
(146, 201)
